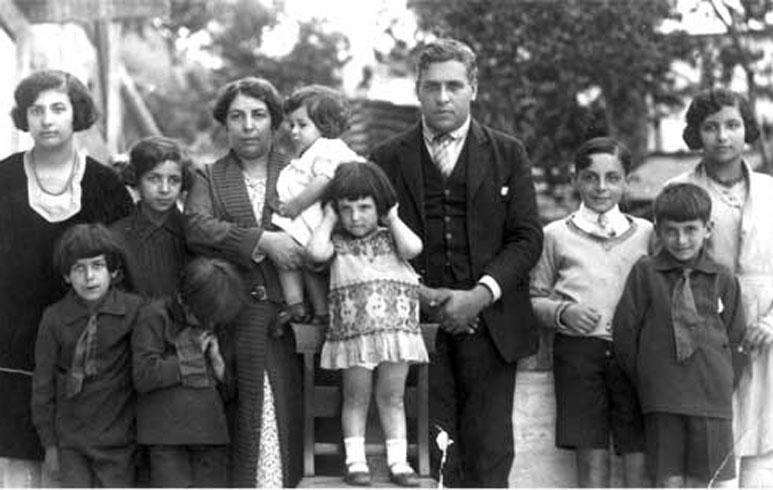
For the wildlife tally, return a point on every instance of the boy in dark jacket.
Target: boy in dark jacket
(678, 330)
(82, 395)
(178, 373)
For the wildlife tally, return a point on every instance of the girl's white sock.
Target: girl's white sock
(355, 450)
(397, 454)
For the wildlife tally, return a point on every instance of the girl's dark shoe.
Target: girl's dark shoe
(356, 477)
(404, 478)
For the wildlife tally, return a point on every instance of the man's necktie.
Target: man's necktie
(684, 316)
(441, 153)
(84, 360)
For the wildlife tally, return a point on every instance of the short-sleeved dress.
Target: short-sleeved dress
(374, 305)
(319, 159)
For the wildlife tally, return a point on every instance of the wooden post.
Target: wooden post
(106, 36)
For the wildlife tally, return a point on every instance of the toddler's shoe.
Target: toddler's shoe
(401, 474)
(298, 313)
(358, 475)
(321, 319)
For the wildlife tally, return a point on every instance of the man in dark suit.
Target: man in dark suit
(467, 191)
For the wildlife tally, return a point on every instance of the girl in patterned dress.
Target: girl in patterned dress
(374, 310)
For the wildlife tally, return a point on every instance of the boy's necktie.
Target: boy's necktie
(441, 153)
(684, 316)
(606, 227)
(84, 360)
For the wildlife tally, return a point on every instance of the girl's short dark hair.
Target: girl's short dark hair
(328, 109)
(28, 90)
(707, 103)
(148, 153)
(257, 88)
(357, 180)
(86, 240)
(212, 290)
(682, 202)
(602, 144)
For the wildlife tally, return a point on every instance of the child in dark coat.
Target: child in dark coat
(153, 234)
(678, 331)
(178, 367)
(82, 395)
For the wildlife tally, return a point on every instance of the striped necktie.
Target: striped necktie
(605, 225)
(84, 360)
(441, 153)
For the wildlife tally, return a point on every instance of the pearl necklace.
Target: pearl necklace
(67, 184)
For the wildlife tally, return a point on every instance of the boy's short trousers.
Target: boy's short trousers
(697, 447)
(594, 398)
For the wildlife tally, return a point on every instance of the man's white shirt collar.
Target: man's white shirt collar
(457, 134)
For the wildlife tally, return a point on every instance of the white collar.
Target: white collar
(457, 134)
(588, 220)
(55, 208)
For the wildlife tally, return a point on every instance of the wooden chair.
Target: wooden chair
(325, 401)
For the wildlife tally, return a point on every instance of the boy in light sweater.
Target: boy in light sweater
(575, 288)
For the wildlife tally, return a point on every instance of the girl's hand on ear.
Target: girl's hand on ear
(329, 213)
(391, 216)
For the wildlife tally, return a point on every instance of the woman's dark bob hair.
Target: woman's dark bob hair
(28, 90)
(257, 88)
(707, 103)
(148, 153)
(357, 180)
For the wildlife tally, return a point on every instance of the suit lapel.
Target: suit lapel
(411, 170)
(479, 161)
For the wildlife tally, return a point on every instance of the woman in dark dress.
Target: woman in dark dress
(43, 191)
(225, 215)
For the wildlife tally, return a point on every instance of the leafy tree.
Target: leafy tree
(535, 57)
(235, 29)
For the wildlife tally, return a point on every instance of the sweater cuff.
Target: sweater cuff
(560, 311)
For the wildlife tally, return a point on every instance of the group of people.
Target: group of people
(145, 343)
(662, 333)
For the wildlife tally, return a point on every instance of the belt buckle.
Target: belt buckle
(259, 293)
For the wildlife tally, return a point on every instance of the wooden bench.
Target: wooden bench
(325, 401)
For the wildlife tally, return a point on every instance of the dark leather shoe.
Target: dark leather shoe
(357, 478)
(404, 479)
